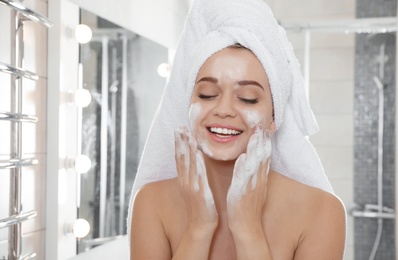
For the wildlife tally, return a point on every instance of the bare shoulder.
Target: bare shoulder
(148, 239)
(320, 215)
(311, 199)
(156, 193)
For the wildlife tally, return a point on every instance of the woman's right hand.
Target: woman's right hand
(192, 177)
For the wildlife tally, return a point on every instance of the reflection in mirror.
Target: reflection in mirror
(120, 72)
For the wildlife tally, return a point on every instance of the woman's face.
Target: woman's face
(230, 98)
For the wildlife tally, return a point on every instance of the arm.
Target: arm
(324, 237)
(148, 239)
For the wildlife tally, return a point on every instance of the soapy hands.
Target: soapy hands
(193, 181)
(247, 193)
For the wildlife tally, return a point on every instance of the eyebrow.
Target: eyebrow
(210, 79)
(249, 82)
(240, 83)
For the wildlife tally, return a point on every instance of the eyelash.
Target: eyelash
(247, 101)
(201, 96)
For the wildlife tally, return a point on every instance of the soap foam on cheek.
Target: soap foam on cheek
(194, 113)
(253, 118)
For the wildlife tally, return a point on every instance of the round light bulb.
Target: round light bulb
(164, 70)
(83, 33)
(82, 164)
(82, 97)
(80, 228)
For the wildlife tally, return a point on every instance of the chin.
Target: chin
(220, 155)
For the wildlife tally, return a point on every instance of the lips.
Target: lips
(223, 133)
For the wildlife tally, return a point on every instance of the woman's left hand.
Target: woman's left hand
(248, 191)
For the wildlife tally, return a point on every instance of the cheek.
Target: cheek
(194, 115)
(253, 117)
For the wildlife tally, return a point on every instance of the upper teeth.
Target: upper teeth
(224, 131)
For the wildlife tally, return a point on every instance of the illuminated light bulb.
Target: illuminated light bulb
(164, 70)
(79, 228)
(82, 97)
(81, 164)
(83, 33)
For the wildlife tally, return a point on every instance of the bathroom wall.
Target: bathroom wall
(33, 135)
(367, 60)
(331, 90)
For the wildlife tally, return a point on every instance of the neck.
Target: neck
(219, 175)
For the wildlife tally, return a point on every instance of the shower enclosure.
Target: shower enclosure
(373, 168)
(106, 136)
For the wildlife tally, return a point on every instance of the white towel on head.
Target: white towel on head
(212, 25)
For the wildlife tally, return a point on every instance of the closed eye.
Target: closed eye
(201, 96)
(249, 101)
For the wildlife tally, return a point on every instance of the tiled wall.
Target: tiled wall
(34, 135)
(366, 131)
(331, 90)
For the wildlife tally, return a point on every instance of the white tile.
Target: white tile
(39, 7)
(34, 194)
(34, 243)
(332, 97)
(3, 249)
(338, 161)
(4, 201)
(270, 3)
(5, 88)
(34, 103)
(5, 139)
(322, 40)
(350, 230)
(35, 41)
(349, 249)
(5, 14)
(332, 64)
(335, 130)
(332, 40)
(313, 8)
(349, 252)
(344, 189)
(329, 64)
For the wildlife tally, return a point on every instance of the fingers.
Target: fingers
(202, 176)
(182, 154)
(238, 186)
(189, 162)
(251, 170)
(193, 173)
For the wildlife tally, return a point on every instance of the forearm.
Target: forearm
(251, 245)
(194, 245)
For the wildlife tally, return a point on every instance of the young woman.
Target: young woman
(239, 180)
(198, 215)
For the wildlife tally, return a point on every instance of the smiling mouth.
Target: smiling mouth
(223, 132)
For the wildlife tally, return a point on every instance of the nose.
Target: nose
(225, 107)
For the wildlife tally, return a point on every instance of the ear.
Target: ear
(272, 127)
